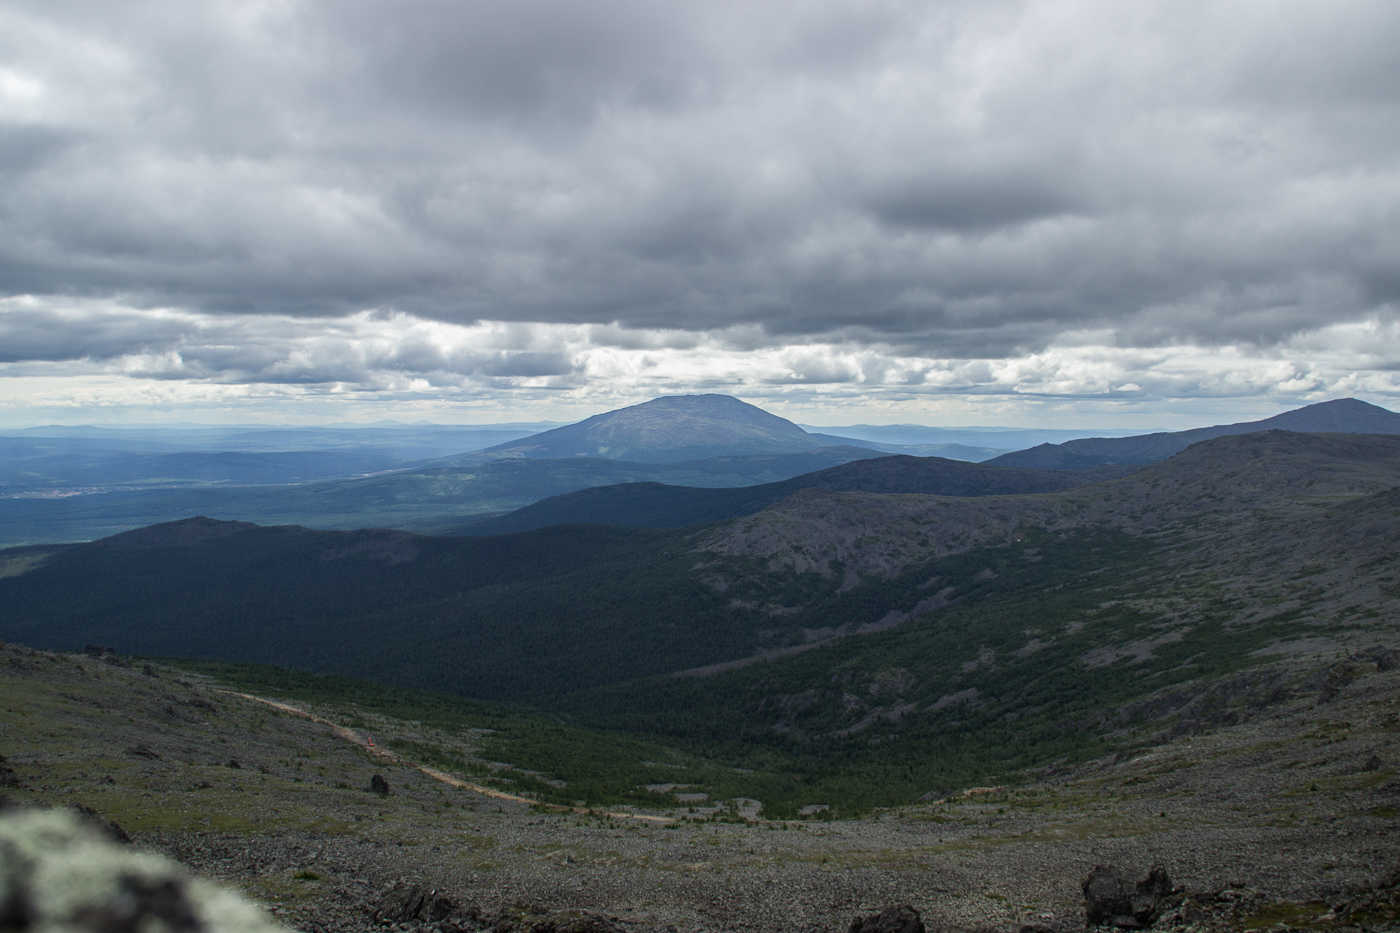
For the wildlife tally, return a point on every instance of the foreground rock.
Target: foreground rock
(890, 920)
(1110, 899)
(58, 871)
(404, 903)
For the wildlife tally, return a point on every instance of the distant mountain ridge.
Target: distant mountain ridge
(673, 429)
(1078, 462)
(1339, 416)
(1003, 439)
(70, 486)
(547, 613)
(656, 505)
(438, 497)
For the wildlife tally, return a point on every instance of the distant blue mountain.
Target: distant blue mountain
(1339, 416)
(673, 429)
(912, 437)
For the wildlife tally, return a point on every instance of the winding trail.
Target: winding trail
(384, 754)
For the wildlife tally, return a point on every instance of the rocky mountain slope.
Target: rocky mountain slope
(575, 608)
(1339, 416)
(1224, 485)
(875, 645)
(565, 609)
(1278, 811)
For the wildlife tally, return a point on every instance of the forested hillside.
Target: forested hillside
(658, 505)
(913, 640)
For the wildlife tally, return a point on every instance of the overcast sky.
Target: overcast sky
(1158, 213)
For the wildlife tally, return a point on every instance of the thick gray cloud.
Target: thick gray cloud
(953, 180)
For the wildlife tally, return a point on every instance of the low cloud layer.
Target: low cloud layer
(1018, 198)
(376, 364)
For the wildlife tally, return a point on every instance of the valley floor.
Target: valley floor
(1277, 819)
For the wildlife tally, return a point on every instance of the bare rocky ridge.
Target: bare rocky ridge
(1266, 528)
(1277, 525)
(872, 533)
(1224, 483)
(1277, 806)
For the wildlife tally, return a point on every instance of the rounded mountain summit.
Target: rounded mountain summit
(673, 429)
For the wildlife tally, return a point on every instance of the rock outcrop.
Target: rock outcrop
(904, 919)
(405, 902)
(59, 871)
(1110, 899)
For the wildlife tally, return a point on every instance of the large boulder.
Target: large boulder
(1110, 899)
(59, 871)
(407, 902)
(904, 919)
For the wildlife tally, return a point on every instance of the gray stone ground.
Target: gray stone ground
(1289, 816)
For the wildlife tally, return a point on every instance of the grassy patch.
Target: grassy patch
(597, 767)
(1305, 915)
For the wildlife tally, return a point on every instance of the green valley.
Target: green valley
(846, 649)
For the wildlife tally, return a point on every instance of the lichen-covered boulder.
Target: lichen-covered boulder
(60, 874)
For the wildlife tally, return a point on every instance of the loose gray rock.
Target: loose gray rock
(557, 921)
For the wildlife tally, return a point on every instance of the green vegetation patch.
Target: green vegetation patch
(596, 767)
(1040, 658)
